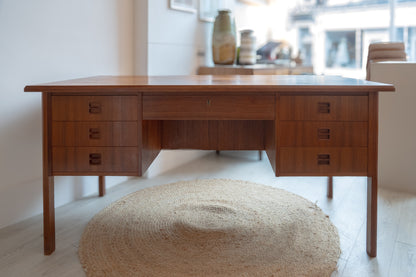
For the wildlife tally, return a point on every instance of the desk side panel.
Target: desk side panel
(271, 138)
(151, 142)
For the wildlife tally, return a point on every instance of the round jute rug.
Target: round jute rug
(210, 228)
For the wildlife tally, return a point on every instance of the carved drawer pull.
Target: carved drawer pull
(95, 159)
(324, 133)
(94, 107)
(324, 107)
(94, 133)
(209, 102)
(323, 159)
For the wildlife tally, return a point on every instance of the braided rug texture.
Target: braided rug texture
(212, 227)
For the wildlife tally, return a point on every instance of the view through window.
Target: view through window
(333, 35)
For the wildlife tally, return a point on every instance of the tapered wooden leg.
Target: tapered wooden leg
(217, 152)
(48, 181)
(101, 185)
(330, 187)
(372, 186)
(372, 216)
(48, 215)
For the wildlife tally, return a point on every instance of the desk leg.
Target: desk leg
(372, 216)
(101, 185)
(372, 174)
(330, 187)
(48, 215)
(48, 180)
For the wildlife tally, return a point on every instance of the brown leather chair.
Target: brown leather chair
(384, 51)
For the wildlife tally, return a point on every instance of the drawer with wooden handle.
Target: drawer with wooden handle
(95, 160)
(324, 133)
(323, 108)
(340, 161)
(239, 107)
(94, 133)
(94, 108)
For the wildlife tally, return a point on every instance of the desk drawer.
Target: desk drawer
(218, 107)
(94, 108)
(324, 108)
(323, 133)
(94, 133)
(323, 161)
(90, 160)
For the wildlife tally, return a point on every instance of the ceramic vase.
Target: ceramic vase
(247, 53)
(224, 38)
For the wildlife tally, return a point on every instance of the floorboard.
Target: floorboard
(21, 245)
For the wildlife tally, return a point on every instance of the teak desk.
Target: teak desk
(308, 126)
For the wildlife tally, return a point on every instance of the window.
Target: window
(334, 35)
(305, 45)
(409, 37)
(340, 49)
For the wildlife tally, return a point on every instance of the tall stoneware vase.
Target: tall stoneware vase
(224, 38)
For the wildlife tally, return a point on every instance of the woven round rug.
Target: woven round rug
(210, 228)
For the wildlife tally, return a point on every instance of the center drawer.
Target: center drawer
(219, 107)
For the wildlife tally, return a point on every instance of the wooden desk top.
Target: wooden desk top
(230, 83)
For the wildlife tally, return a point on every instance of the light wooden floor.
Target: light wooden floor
(21, 252)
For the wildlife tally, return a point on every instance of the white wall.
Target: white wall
(174, 38)
(140, 37)
(41, 41)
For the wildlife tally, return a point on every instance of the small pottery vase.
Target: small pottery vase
(224, 38)
(247, 47)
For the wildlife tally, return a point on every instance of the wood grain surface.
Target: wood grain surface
(229, 83)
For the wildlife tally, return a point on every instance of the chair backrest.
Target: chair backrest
(386, 46)
(384, 51)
